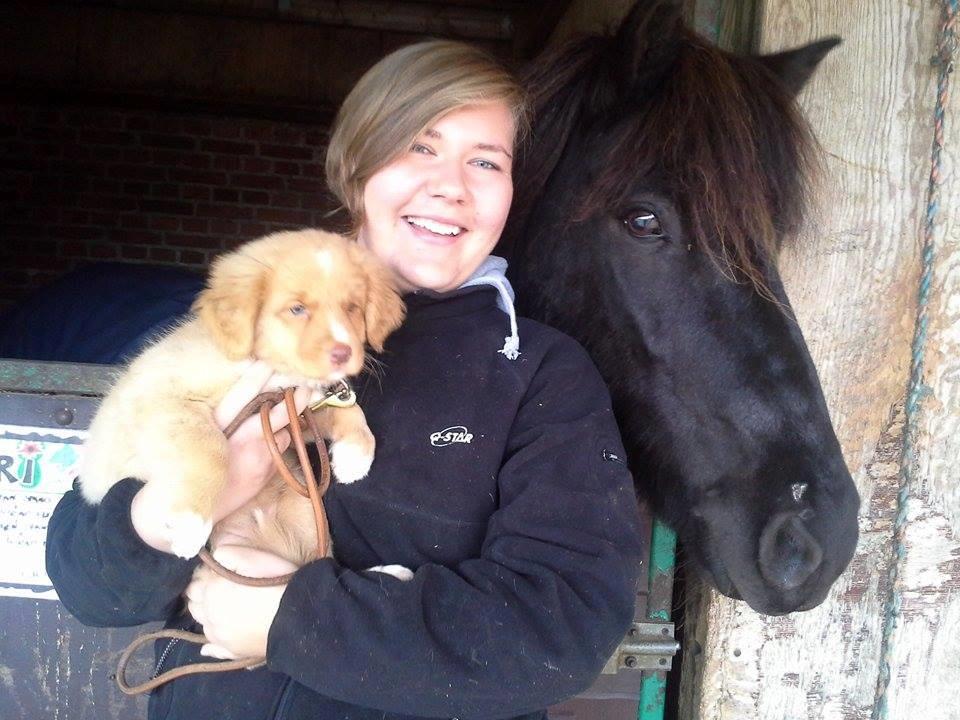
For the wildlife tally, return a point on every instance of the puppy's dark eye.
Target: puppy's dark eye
(644, 224)
(298, 309)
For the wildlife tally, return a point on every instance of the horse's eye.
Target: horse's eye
(643, 224)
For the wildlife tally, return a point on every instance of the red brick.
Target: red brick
(226, 195)
(191, 241)
(93, 118)
(227, 129)
(259, 131)
(133, 252)
(227, 147)
(164, 222)
(205, 177)
(305, 186)
(136, 188)
(138, 123)
(137, 155)
(137, 172)
(173, 142)
(75, 217)
(288, 152)
(255, 197)
(104, 186)
(73, 248)
(163, 254)
(92, 136)
(181, 159)
(104, 219)
(73, 232)
(256, 165)
(134, 221)
(221, 226)
(196, 126)
(171, 124)
(283, 167)
(136, 237)
(169, 207)
(103, 251)
(224, 211)
(106, 202)
(195, 192)
(165, 190)
(194, 225)
(193, 257)
(285, 200)
(226, 162)
(260, 182)
(251, 230)
(282, 215)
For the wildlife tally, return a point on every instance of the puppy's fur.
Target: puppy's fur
(304, 302)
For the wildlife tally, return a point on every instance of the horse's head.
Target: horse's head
(660, 180)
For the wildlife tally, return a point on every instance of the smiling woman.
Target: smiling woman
(487, 565)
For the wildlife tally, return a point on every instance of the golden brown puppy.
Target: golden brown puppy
(306, 303)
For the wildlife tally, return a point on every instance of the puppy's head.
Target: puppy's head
(305, 302)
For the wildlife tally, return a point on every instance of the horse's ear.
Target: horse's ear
(646, 42)
(795, 67)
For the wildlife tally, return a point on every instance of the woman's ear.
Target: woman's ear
(385, 310)
(230, 305)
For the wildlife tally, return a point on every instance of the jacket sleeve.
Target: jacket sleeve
(528, 623)
(104, 574)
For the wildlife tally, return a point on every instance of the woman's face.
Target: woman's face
(436, 212)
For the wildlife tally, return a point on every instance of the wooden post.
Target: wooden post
(853, 278)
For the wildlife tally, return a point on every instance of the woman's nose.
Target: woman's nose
(447, 181)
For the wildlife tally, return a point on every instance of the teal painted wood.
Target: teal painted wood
(663, 559)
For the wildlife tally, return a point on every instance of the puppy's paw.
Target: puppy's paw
(398, 571)
(350, 460)
(188, 533)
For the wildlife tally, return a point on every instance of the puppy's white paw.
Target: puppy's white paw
(398, 571)
(350, 461)
(188, 532)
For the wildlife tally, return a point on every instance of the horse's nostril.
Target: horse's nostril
(789, 554)
(340, 354)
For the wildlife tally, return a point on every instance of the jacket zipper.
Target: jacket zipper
(164, 655)
(612, 457)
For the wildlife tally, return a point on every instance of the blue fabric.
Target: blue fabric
(100, 313)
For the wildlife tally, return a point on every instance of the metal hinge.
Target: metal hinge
(647, 646)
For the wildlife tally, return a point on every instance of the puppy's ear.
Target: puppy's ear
(230, 305)
(384, 311)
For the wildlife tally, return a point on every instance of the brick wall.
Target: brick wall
(80, 184)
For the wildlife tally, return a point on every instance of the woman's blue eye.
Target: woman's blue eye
(486, 165)
(298, 309)
(422, 149)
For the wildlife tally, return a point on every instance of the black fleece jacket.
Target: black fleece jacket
(497, 481)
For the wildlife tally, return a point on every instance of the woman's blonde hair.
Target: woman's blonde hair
(402, 95)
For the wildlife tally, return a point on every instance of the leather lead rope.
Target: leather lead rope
(262, 404)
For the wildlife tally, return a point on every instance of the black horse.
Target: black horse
(661, 176)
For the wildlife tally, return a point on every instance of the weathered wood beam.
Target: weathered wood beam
(409, 16)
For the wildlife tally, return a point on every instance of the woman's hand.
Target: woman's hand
(236, 618)
(249, 463)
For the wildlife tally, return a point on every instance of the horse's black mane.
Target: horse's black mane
(718, 130)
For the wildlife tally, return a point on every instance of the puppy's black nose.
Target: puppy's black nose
(340, 354)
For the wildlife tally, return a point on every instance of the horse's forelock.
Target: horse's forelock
(731, 148)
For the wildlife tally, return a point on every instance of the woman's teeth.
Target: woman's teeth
(435, 227)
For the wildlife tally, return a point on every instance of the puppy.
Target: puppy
(304, 302)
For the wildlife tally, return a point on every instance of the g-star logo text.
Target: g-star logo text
(455, 434)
